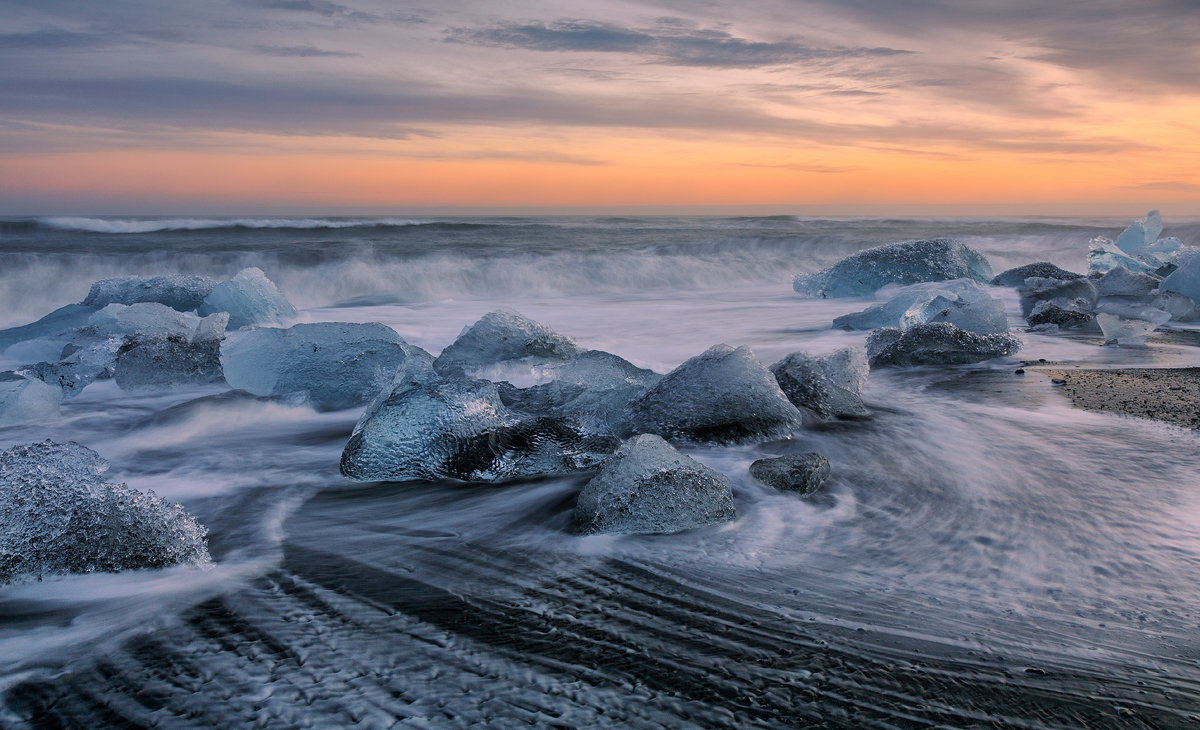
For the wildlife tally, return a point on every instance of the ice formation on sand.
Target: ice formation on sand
(648, 487)
(331, 365)
(1129, 323)
(58, 515)
(502, 336)
(251, 299)
(938, 343)
(911, 262)
(25, 400)
(722, 395)
(803, 473)
(429, 427)
(1041, 269)
(826, 387)
(182, 293)
(960, 302)
(146, 345)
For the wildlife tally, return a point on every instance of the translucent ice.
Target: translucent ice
(1185, 280)
(1120, 281)
(26, 400)
(1041, 269)
(251, 299)
(62, 320)
(331, 365)
(723, 395)
(1048, 316)
(183, 293)
(827, 387)
(431, 427)
(898, 263)
(803, 473)
(937, 343)
(1106, 255)
(960, 302)
(1128, 323)
(503, 336)
(1079, 295)
(647, 487)
(58, 515)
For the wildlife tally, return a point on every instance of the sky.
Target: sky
(855, 106)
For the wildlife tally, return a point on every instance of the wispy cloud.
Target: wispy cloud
(670, 42)
(302, 52)
(319, 7)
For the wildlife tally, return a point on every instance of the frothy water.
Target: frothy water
(984, 554)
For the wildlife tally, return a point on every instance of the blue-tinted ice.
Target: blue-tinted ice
(26, 399)
(503, 337)
(251, 299)
(180, 292)
(936, 343)
(910, 262)
(961, 302)
(826, 387)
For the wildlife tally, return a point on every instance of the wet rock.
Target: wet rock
(649, 487)
(938, 343)
(722, 395)
(803, 473)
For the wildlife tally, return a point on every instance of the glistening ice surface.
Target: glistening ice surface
(982, 555)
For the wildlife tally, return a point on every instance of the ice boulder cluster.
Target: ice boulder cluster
(1134, 285)
(910, 262)
(146, 332)
(58, 515)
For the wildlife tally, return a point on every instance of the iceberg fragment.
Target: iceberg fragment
(331, 365)
(803, 473)
(25, 400)
(1121, 282)
(722, 395)
(1185, 280)
(251, 299)
(647, 487)
(910, 262)
(1106, 255)
(179, 292)
(1078, 295)
(1129, 323)
(960, 302)
(1049, 316)
(502, 336)
(59, 322)
(58, 515)
(936, 343)
(1042, 269)
(827, 387)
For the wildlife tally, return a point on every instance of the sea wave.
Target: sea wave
(155, 225)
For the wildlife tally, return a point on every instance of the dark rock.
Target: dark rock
(1042, 270)
(803, 473)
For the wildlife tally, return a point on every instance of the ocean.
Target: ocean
(984, 555)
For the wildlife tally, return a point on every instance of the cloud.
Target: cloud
(319, 7)
(302, 52)
(1171, 186)
(56, 39)
(674, 43)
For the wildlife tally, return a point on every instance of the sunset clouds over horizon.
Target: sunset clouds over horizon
(292, 105)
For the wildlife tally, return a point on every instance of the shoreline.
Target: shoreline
(1164, 394)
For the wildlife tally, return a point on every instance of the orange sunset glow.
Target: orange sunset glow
(310, 106)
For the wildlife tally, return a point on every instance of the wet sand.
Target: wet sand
(1167, 394)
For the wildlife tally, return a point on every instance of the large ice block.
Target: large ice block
(58, 515)
(180, 292)
(648, 487)
(251, 299)
(331, 365)
(936, 343)
(503, 336)
(910, 262)
(827, 387)
(722, 395)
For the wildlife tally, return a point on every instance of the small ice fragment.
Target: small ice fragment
(647, 487)
(802, 473)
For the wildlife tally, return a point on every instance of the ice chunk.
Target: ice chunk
(1128, 323)
(723, 395)
(960, 302)
(803, 473)
(183, 293)
(149, 363)
(1106, 255)
(1185, 280)
(1050, 316)
(26, 400)
(1079, 295)
(911, 262)
(1133, 238)
(58, 515)
(251, 299)
(647, 487)
(60, 321)
(936, 343)
(502, 336)
(592, 391)
(1120, 281)
(1180, 307)
(828, 387)
(430, 427)
(331, 365)
(1042, 270)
